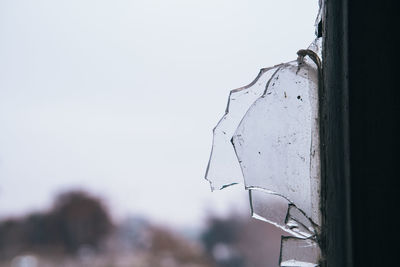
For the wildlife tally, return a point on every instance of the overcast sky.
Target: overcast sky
(119, 97)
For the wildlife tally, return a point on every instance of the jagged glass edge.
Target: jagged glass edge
(298, 263)
(285, 227)
(260, 73)
(248, 187)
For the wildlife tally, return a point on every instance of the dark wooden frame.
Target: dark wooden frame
(360, 134)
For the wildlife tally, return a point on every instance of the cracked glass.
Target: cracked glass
(299, 252)
(268, 140)
(274, 139)
(278, 211)
(223, 168)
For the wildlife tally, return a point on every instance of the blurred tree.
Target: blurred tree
(220, 230)
(80, 219)
(11, 238)
(220, 239)
(242, 242)
(76, 219)
(170, 249)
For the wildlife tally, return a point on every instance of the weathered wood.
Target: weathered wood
(334, 139)
(360, 124)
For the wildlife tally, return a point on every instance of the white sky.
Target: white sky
(119, 97)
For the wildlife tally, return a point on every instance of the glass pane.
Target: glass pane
(299, 252)
(277, 138)
(223, 168)
(276, 210)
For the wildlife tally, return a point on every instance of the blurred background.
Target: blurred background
(106, 112)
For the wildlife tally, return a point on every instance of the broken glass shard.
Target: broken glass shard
(278, 211)
(299, 252)
(299, 222)
(316, 47)
(269, 137)
(223, 168)
(268, 207)
(277, 141)
(319, 19)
